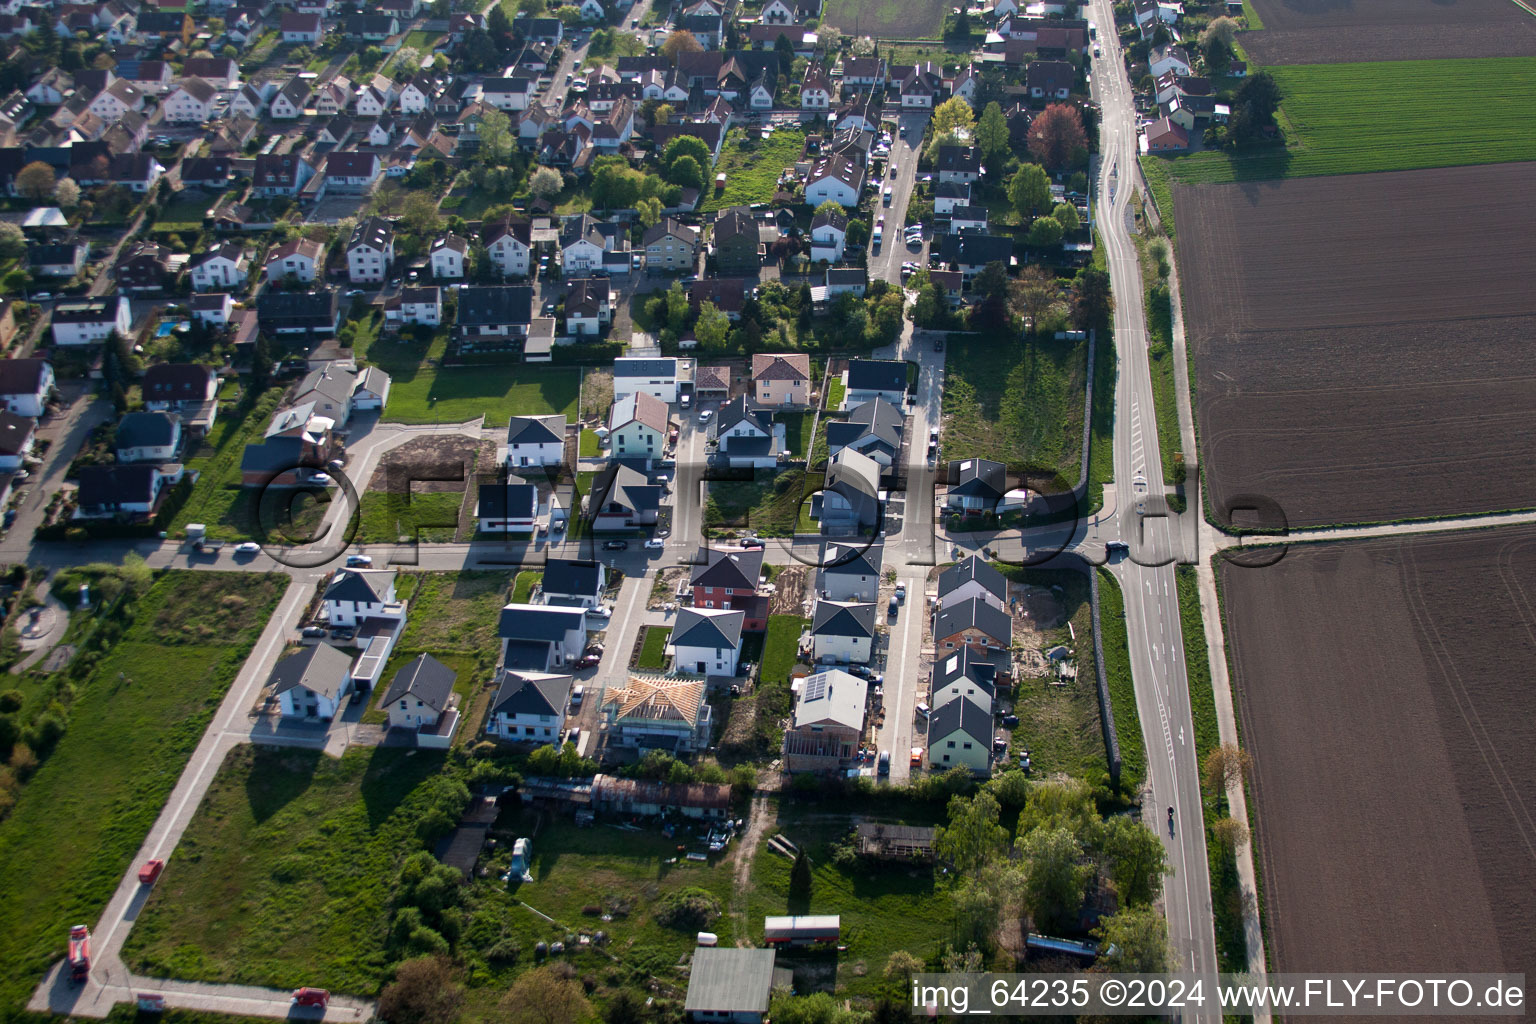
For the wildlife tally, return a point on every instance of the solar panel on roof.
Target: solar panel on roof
(816, 687)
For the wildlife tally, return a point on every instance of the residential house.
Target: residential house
(1164, 59)
(250, 101)
(1163, 136)
(301, 28)
(651, 712)
(867, 73)
(960, 735)
(843, 632)
(816, 90)
(585, 244)
(280, 312)
(661, 378)
(960, 675)
(494, 318)
(127, 493)
(976, 485)
(1050, 79)
(849, 572)
(312, 683)
(535, 441)
(850, 502)
(289, 102)
(420, 696)
(959, 164)
(117, 99)
(727, 984)
(188, 389)
(973, 622)
(845, 281)
(970, 253)
(671, 245)
(723, 578)
(370, 250)
(371, 28)
(297, 260)
(351, 173)
(973, 578)
(622, 499)
(16, 433)
(280, 176)
(353, 596)
(142, 267)
(509, 94)
(448, 255)
(869, 379)
(509, 243)
(834, 178)
(25, 385)
(746, 435)
(190, 102)
(148, 437)
(539, 637)
(588, 308)
(529, 707)
(949, 194)
(963, 219)
(829, 233)
(737, 246)
(873, 428)
(65, 259)
(781, 379)
(573, 583)
(513, 505)
(706, 641)
(88, 321)
(637, 427)
(371, 390)
(212, 308)
(223, 265)
(219, 72)
(827, 728)
(329, 389)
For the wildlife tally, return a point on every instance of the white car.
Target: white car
(704, 415)
(320, 479)
(250, 547)
(655, 545)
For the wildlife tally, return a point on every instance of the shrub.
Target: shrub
(10, 700)
(687, 910)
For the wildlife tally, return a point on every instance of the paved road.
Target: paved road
(1151, 600)
(885, 262)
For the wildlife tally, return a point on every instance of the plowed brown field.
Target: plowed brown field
(1385, 694)
(1363, 343)
(1334, 32)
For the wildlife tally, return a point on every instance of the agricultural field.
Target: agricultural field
(1383, 693)
(886, 19)
(1385, 30)
(141, 702)
(1352, 386)
(752, 167)
(1017, 401)
(423, 392)
(1359, 118)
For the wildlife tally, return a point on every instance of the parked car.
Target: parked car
(248, 549)
(922, 710)
(359, 561)
(615, 545)
(314, 632)
(151, 871)
(903, 131)
(343, 633)
(752, 542)
(588, 660)
(655, 544)
(917, 757)
(579, 692)
(885, 762)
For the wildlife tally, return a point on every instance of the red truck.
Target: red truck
(79, 953)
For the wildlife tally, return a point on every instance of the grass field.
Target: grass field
(184, 215)
(456, 611)
(836, 392)
(522, 587)
(797, 431)
(653, 650)
(889, 19)
(1388, 116)
(1018, 401)
(285, 874)
(137, 716)
(752, 167)
(770, 506)
(217, 499)
(421, 392)
(387, 518)
(1122, 692)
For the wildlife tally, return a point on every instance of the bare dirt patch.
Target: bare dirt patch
(1352, 366)
(415, 465)
(1384, 694)
(1352, 31)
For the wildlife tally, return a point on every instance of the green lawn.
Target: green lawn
(752, 167)
(421, 41)
(388, 517)
(797, 431)
(218, 500)
(781, 647)
(141, 706)
(456, 611)
(1019, 401)
(770, 505)
(285, 874)
(522, 587)
(1388, 116)
(836, 391)
(889, 19)
(653, 650)
(1122, 692)
(588, 446)
(183, 215)
(883, 909)
(422, 392)
(1156, 170)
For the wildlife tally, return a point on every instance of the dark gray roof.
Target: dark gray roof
(708, 628)
(833, 618)
(877, 418)
(15, 431)
(367, 586)
(321, 669)
(527, 655)
(951, 666)
(497, 304)
(112, 485)
(644, 367)
(852, 560)
(538, 622)
(512, 498)
(877, 375)
(961, 716)
(426, 679)
(146, 430)
(974, 612)
(973, 248)
(276, 455)
(570, 576)
(531, 693)
(619, 485)
(536, 429)
(978, 478)
(21, 376)
(718, 568)
(973, 568)
(729, 981)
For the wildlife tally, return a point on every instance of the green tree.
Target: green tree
(543, 996)
(953, 115)
(35, 181)
(1060, 803)
(1134, 941)
(495, 131)
(712, 328)
(687, 172)
(615, 186)
(1134, 860)
(649, 210)
(545, 182)
(1067, 216)
(1055, 876)
(992, 135)
(973, 836)
(1029, 190)
(685, 145)
(1090, 299)
(13, 242)
(831, 206)
(1045, 232)
(419, 214)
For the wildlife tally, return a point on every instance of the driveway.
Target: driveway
(65, 431)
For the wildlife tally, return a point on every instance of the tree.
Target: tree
(1090, 299)
(1056, 136)
(542, 996)
(678, 43)
(1134, 860)
(687, 172)
(712, 327)
(67, 192)
(902, 965)
(649, 210)
(663, 115)
(1045, 232)
(1036, 290)
(1134, 941)
(1029, 190)
(953, 115)
(498, 23)
(35, 181)
(13, 242)
(1218, 56)
(992, 135)
(425, 991)
(419, 214)
(615, 186)
(1055, 876)
(1230, 833)
(545, 183)
(624, 1008)
(1225, 766)
(685, 145)
(973, 836)
(831, 206)
(1222, 29)
(1060, 803)
(1067, 216)
(495, 130)
(1253, 109)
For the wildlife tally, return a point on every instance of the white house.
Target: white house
(513, 505)
(420, 694)
(541, 635)
(573, 583)
(213, 308)
(25, 385)
(87, 321)
(447, 256)
(16, 433)
(509, 244)
(637, 427)
(829, 231)
(535, 441)
(371, 390)
(148, 437)
(834, 178)
(707, 642)
(843, 632)
(961, 675)
(312, 683)
(420, 306)
(659, 378)
(960, 735)
(849, 572)
(355, 595)
(371, 250)
(190, 102)
(817, 90)
(529, 707)
(296, 259)
(302, 28)
(1164, 59)
(973, 577)
(223, 265)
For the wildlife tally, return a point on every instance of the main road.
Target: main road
(1146, 575)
